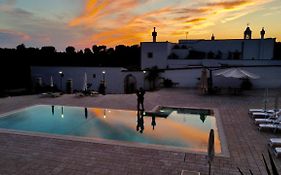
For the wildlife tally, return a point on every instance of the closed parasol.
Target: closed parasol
(85, 82)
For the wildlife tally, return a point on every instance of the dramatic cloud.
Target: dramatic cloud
(231, 4)
(127, 21)
(131, 21)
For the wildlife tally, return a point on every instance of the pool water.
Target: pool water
(179, 129)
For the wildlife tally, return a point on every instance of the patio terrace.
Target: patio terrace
(24, 154)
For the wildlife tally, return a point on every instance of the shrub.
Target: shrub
(246, 84)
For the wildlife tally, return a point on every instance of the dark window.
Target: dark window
(150, 55)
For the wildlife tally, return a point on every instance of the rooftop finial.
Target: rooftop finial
(262, 33)
(248, 32)
(213, 37)
(154, 34)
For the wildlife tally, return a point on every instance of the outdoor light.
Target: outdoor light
(104, 113)
(61, 76)
(62, 112)
(144, 72)
(103, 76)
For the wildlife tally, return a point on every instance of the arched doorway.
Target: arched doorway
(130, 84)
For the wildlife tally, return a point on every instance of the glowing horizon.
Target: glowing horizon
(82, 24)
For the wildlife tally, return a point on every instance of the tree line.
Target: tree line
(16, 62)
(121, 55)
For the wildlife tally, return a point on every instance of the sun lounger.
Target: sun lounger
(274, 142)
(270, 126)
(265, 114)
(261, 115)
(277, 151)
(271, 119)
(251, 111)
(88, 93)
(50, 94)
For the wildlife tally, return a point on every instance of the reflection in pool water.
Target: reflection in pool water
(178, 129)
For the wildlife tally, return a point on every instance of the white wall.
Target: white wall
(160, 51)
(114, 77)
(209, 62)
(269, 77)
(184, 78)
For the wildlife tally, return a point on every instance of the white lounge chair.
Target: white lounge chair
(265, 114)
(272, 119)
(274, 142)
(270, 126)
(261, 115)
(277, 151)
(50, 94)
(251, 111)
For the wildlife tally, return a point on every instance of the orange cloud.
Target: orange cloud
(131, 21)
(231, 4)
(195, 20)
(92, 9)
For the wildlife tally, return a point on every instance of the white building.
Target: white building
(116, 79)
(192, 52)
(181, 62)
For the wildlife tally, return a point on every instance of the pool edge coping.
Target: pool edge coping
(224, 145)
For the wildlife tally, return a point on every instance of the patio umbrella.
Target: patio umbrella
(237, 73)
(211, 148)
(204, 81)
(51, 82)
(85, 82)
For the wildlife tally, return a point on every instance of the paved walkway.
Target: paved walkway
(20, 154)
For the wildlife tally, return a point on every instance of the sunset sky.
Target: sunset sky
(82, 23)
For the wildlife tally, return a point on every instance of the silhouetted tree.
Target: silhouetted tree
(194, 54)
(153, 74)
(70, 50)
(219, 55)
(24, 57)
(87, 51)
(48, 49)
(236, 55)
(173, 56)
(21, 47)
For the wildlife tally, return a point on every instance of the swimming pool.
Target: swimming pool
(179, 129)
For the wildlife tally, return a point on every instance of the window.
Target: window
(150, 55)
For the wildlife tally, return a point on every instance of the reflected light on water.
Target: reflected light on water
(185, 129)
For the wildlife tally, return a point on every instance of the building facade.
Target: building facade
(182, 54)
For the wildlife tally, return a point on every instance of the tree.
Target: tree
(211, 55)
(70, 50)
(48, 49)
(152, 76)
(21, 47)
(88, 51)
(173, 56)
(219, 55)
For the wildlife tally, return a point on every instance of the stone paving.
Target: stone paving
(23, 154)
